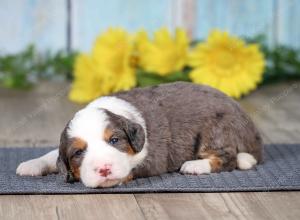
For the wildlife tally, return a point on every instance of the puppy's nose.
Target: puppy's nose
(105, 170)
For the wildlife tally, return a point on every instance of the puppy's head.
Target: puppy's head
(100, 148)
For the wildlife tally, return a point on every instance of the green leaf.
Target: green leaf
(149, 79)
(23, 69)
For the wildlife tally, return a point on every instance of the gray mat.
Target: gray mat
(281, 171)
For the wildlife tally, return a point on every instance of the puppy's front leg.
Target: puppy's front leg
(43, 165)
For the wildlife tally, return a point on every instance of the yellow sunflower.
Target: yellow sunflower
(165, 53)
(106, 70)
(85, 86)
(227, 63)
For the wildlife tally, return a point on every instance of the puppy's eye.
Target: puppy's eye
(78, 153)
(113, 140)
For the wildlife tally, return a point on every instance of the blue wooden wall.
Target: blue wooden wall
(44, 22)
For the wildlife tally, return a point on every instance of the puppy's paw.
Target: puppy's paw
(196, 167)
(35, 167)
(245, 161)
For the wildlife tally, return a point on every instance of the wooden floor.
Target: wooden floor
(36, 118)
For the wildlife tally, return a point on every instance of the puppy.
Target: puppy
(149, 131)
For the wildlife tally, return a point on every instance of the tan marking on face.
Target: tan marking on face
(130, 151)
(75, 170)
(107, 134)
(128, 178)
(79, 144)
(214, 161)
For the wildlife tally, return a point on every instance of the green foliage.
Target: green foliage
(150, 79)
(23, 69)
(283, 62)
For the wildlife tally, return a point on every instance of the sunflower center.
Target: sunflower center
(224, 59)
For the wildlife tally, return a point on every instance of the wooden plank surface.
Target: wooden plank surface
(220, 205)
(117, 206)
(275, 109)
(279, 122)
(35, 117)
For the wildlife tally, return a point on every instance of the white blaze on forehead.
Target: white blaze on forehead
(119, 107)
(88, 123)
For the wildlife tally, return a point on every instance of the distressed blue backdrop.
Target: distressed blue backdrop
(44, 22)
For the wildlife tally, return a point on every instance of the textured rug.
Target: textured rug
(281, 171)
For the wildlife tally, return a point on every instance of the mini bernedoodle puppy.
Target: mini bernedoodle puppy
(149, 131)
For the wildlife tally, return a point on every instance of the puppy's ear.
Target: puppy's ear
(64, 169)
(62, 160)
(135, 134)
